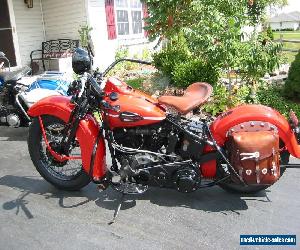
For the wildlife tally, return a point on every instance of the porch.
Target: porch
(28, 23)
(25, 24)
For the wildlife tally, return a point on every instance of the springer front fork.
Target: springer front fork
(69, 133)
(70, 130)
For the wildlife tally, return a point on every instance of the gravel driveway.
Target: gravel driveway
(34, 215)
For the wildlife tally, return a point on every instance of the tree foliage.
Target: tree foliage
(215, 31)
(167, 17)
(292, 85)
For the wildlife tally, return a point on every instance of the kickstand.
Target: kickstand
(117, 209)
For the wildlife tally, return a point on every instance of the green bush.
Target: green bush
(136, 83)
(122, 52)
(175, 52)
(270, 33)
(121, 68)
(292, 85)
(273, 97)
(190, 71)
(223, 100)
(258, 57)
(176, 62)
(219, 100)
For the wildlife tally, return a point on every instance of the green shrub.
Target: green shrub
(84, 34)
(176, 62)
(175, 52)
(270, 33)
(258, 57)
(136, 83)
(121, 68)
(219, 100)
(121, 52)
(223, 99)
(292, 85)
(146, 55)
(273, 97)
(195, 70)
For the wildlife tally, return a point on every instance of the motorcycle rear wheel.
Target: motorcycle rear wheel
(233, 187)
(58, 174)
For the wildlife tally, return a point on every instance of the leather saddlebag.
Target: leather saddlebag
(255, 156)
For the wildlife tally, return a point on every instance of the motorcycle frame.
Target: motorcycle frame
(91, 139)
(88, 129)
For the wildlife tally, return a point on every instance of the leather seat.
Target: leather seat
(195, 95)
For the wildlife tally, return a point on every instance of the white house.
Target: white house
(285, 21)
(25, 24)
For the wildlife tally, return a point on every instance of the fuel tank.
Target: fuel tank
(131, 107)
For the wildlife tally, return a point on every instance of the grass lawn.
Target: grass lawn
(289, 35)
(294, 35)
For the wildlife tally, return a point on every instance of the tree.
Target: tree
(214, 31)
(167, 17)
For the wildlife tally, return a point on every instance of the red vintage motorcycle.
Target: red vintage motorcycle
(240, 150)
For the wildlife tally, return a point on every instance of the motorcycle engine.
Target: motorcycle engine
(4, 96)
(134, 167)
(188, 147)
(149, 138)
(149, 169)
(195, 127)
(187, 179)
(9, 115)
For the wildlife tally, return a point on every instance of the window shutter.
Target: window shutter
(110, 19)
(145, 15)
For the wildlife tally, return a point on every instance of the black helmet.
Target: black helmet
(81, 61)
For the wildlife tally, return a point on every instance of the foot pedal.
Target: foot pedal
(103, 183)
(130, 188)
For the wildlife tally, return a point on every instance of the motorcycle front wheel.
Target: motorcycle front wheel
(67, 175)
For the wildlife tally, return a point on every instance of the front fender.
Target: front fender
(244, 113)
(60, 106)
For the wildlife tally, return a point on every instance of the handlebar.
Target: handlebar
(104, 73)
(95, 86)
(92, 79)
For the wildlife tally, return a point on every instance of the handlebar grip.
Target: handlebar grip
(96, 87)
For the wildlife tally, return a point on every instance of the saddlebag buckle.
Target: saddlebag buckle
(248, 156)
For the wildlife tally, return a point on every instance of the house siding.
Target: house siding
(284, 25)
(29, 28)
(63, 18)
(105, 49)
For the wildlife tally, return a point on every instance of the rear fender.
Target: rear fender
(60, 107)
(244, 113)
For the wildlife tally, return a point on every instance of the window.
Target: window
(129, 17)
(123, 22)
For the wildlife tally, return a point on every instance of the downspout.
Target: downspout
(43, 21)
